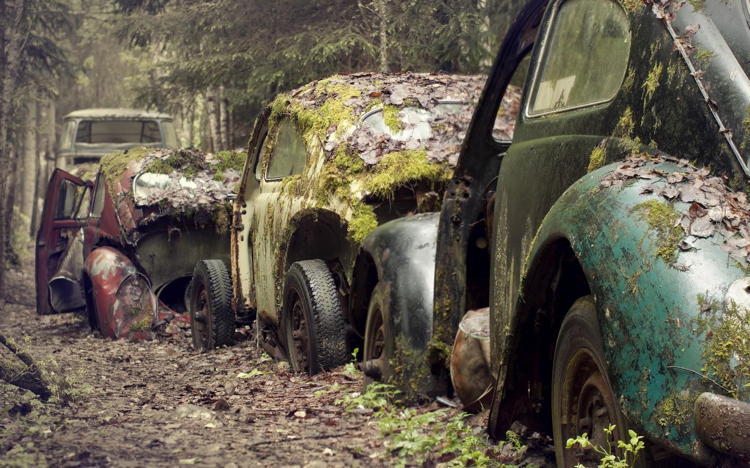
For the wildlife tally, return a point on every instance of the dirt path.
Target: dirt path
(161, 404)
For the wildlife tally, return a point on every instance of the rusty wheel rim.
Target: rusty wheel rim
(590, 408)
(201, 323)
(300, 336)
(376, 336)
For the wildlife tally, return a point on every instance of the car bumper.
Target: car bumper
(723, 424)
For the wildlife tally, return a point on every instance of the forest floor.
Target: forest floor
(160, 403)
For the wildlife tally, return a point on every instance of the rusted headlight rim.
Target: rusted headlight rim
(723, 424)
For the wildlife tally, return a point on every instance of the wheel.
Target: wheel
(378, 350)
(582, 396)
(211, 315)
(312, 317)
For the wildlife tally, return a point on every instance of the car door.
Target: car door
(269, 208)
(63, 217)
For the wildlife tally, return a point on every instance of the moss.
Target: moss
(230, 160)
(704, 57)
(439, 353)
(596, 159)
(676, 411)
(362, 222)
(652, 81)
(114, 165)
(625, 125)
(410, 370)
(697, 5)
(187, 161)
(395, 169)
(143, 324)
(391, 119)
(632, 6)
(726, 351)
(627, 84)
(333, 113)
(664, 221)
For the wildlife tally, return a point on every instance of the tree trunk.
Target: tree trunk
(11, 15)
(28, 183)
(383, 13)
(191, 125)
(213, 121)
(28, 376)
(223, 120)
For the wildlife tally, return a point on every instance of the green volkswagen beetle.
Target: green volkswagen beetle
(614, 229)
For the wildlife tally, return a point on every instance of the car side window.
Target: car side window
(584, 58)
(70, 200)
(290, 153)
(260, 151)
(98, 206)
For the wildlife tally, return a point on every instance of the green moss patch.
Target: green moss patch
(652, 81)
(596, 159)
(625, 125)
(726, 352)
(391, 119)
(114, 165)
(663, 219)
(396, 169)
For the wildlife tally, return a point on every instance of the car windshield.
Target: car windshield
(411, 123)
(118, 131)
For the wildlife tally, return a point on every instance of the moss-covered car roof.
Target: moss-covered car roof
(332, 110)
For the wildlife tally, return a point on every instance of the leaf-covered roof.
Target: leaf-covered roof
(333, 110)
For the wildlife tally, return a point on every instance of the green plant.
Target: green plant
(350, 368)
(630, 449)
(418, 437)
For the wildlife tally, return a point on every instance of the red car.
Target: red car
(122, 248)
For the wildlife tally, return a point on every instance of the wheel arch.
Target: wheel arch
(649, 308)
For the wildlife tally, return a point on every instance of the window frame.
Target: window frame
(544, 49)
(277, 132)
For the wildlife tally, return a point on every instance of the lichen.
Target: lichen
(596, 159)
(663, 219)
(652, 81)
(391, 119)
(625, 125)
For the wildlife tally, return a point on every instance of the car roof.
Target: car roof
(333, 109)
(116, 113)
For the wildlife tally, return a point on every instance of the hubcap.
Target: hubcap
(375, 339)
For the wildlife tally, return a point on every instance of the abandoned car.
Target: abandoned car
(328, 163)
(89, 134)
(614, 229)
(123, 248)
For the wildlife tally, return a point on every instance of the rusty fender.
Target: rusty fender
(673, 308)
(403, 251)
(124, 305)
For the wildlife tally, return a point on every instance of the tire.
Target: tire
(88, 295)
(378, 347)
(211, 315)
(582, 396)
(313, 320)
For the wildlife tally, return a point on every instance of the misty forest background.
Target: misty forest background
(212, 64)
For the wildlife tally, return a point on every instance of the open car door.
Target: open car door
(63, 216)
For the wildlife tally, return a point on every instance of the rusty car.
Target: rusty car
(328, 163)
(592, 269)
(89, 134)
(122, 248)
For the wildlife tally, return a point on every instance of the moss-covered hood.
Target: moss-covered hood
(147, 184)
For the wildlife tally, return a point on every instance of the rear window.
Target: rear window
(118, 131)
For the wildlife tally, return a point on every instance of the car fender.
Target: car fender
(669, 305)
(403, 251)
(125, 306)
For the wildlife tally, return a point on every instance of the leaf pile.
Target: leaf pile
(713, 209)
